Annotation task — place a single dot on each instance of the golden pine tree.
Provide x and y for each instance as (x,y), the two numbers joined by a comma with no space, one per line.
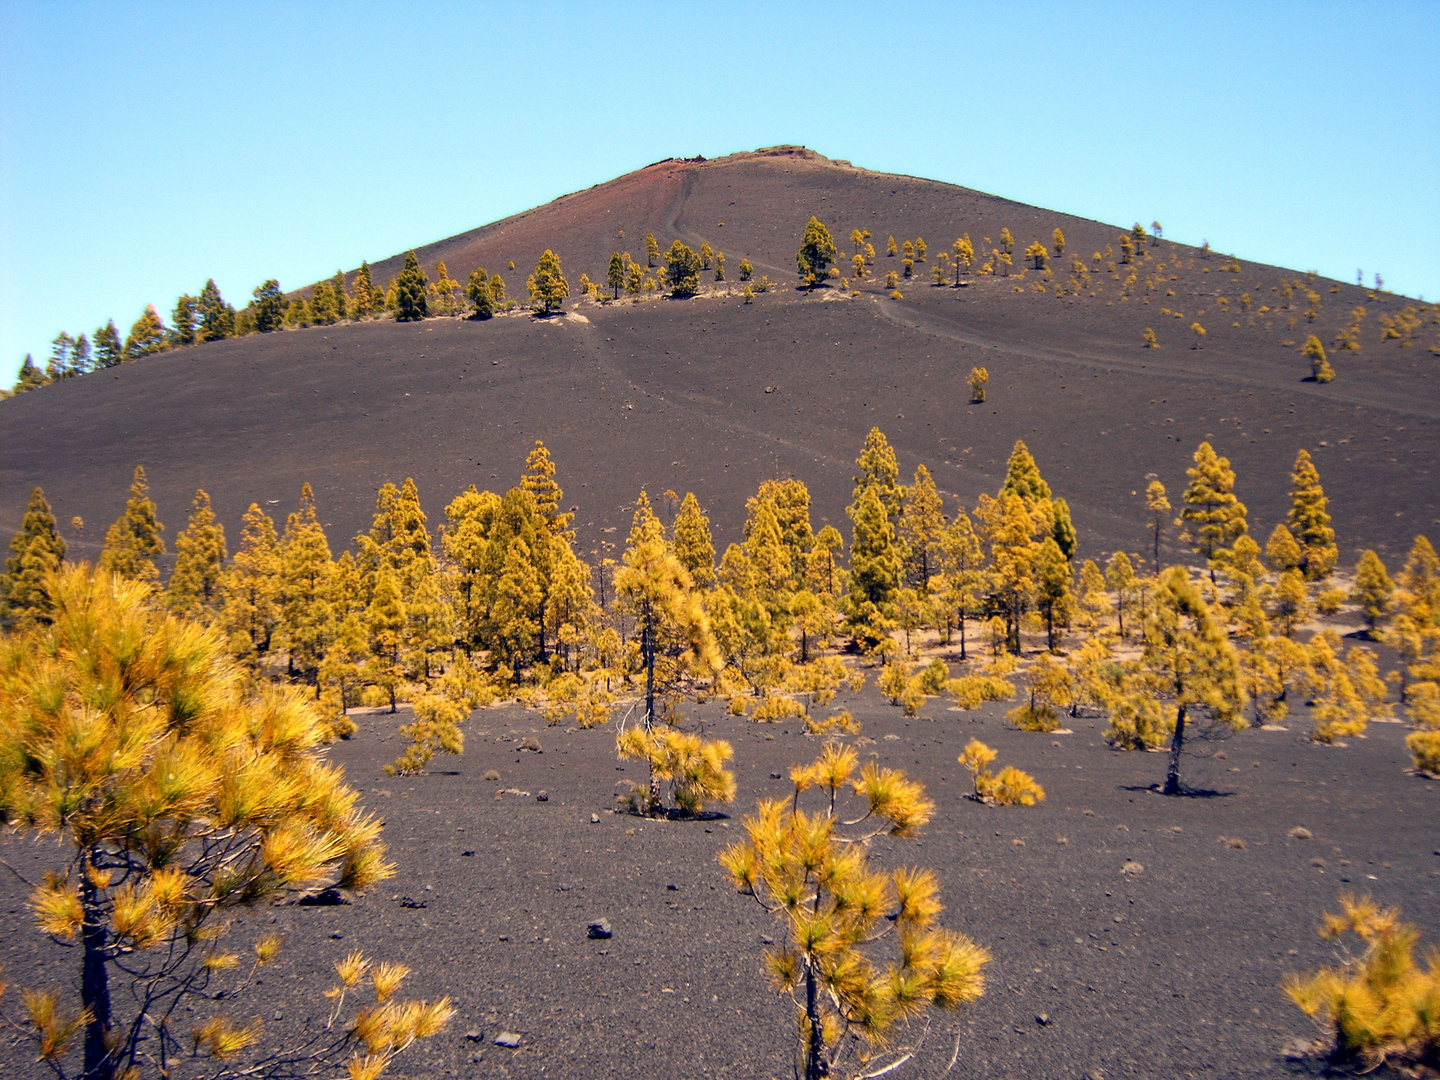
(922,528)
(1373,590)
(194,587)
(1282,553)
(1309,520)
(1188,661)
(1157,505)
(304,595)
(220,800)
(811,870)
(250,587)
(979,377)
(386,622)
(1121,580)
(1213,516)
(816,255)
(694,546)
(134,540)
(547,285)
(37,550)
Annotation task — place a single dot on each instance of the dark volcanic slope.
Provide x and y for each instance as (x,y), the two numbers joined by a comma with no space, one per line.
(671,394)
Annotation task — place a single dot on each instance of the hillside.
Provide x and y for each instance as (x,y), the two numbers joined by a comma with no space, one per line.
(715,395)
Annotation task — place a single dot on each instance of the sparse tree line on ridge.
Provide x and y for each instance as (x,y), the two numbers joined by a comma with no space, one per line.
(412,295)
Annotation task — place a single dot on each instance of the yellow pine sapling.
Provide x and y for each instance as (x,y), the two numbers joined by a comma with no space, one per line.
(1050,686)
(811,869)
(1378,1006)
(1320,369)
(1009,787)
(979,379)
(174,794)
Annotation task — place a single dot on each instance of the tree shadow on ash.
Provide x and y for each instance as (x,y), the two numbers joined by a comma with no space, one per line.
(1185,792)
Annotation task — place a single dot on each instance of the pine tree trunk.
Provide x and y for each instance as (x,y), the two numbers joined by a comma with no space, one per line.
(1177,741)
(816,1068)
(962,634)
(648,647)
(95,984)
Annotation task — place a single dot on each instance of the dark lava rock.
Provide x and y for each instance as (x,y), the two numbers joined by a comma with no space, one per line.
(542,795)
(600,928)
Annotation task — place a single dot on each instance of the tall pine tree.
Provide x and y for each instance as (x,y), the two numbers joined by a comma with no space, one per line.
(1213,515)
(194,588)
(36,550)
(1309,520)
(411,303)
(134,540)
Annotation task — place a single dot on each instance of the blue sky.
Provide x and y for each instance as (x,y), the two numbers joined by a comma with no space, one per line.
(146,146)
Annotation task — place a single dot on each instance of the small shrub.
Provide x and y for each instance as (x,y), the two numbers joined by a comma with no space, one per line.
(1379,1006)
(1424,749)
(897,295)
(1330,601)
(774,708)
(694,768)
(1009,787)
(841,723)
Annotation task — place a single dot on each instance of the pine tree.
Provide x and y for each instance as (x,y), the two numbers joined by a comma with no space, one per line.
(746,269)
(477,290)
(1157,504)
(1037,253)
(547,285)
(1189,663)
(445,290)
(385,620)
(337,290)
(539,480)
(876,563)
(184,327)
(250,587)
(1013,550)
(1373,589)
(322,304)
(1309,519)
(108,350)
(1320,369)
(364,301)
(411,302)
(202,798)
(269,307)
(964,255)
(1052,589)
(59,365)
(964,569)
(979,377)
(1151,341)
(652,250)
(682,270)
(811,869)
(816,255)
(1214,517)
(1058,240)
(497,289)
(217,318)
(31,376)
(305,569)
(615,273)
(194,588)
(1062,529)
(146,337)
(134,539)
(890,247)
(880,469)
(1282,553)
(693,544)
(37,550)
(1022,475)
(719,266)
(922,528)
(1121,580)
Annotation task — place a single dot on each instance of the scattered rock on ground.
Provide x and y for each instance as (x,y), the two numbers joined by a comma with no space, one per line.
(599,928)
